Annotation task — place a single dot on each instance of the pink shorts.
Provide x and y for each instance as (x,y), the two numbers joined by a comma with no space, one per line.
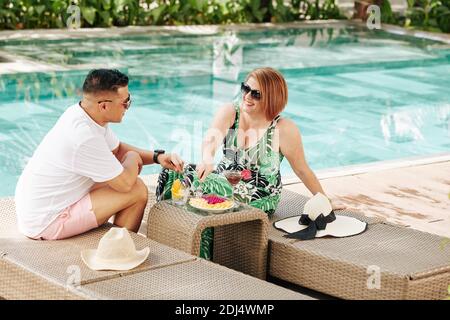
(75,219)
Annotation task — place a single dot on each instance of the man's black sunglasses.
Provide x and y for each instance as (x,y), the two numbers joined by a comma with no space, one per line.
(245,88)
(126,103)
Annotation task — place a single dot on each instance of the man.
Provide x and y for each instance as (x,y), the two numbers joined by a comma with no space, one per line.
(81,174)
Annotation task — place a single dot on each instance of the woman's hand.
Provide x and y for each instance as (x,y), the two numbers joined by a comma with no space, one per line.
(337,205)
(171,161)
(203,170)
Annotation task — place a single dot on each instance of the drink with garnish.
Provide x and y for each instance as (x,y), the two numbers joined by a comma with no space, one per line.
(233,177)
(180,192)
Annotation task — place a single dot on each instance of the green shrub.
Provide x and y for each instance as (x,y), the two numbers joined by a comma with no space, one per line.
(443,15)
(431,15)
(27,14)
(30,14)
(387,15)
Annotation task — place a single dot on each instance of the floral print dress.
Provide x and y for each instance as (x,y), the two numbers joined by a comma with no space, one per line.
(259,187)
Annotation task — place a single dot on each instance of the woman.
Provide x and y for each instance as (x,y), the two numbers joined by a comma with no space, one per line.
(255,140)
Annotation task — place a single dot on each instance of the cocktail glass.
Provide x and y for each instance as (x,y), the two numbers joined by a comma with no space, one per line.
(233,177)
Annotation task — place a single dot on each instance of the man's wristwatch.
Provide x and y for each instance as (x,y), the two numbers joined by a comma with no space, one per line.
(156,153)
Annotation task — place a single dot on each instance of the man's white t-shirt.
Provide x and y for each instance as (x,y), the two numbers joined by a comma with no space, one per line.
(73,155)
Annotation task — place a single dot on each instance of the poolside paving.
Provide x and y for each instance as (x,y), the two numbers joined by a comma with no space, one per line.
(413,196)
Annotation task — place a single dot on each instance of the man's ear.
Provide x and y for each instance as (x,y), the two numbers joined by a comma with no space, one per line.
(102,106)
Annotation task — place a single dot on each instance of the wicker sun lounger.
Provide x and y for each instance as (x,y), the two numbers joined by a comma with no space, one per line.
(60,264)
(385,262)
(195,280)
(54,270)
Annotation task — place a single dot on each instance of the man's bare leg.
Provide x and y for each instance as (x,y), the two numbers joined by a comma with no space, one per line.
(128,207)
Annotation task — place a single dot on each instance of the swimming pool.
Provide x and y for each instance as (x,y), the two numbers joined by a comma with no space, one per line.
(358,96)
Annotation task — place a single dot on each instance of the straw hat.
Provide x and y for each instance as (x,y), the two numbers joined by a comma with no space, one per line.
(318,220)
(116,251)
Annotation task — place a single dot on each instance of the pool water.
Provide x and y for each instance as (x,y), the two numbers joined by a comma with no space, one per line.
(358,96)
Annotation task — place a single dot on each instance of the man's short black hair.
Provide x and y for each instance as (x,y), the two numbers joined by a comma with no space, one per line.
(100,80)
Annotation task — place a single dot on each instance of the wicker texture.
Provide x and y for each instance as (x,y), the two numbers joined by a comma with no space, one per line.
(52,258)
(398,250)
(8,223)
(412,264)
(333,277)
(236,249)
(240,238)
(32,269)
(433,287)
(20,284)
(198,280)
(41,269)
(150,203)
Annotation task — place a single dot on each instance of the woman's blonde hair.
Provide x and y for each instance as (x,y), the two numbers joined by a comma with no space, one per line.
(273,88)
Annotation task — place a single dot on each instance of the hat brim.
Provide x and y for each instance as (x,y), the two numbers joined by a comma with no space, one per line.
(343,226)
(89,258)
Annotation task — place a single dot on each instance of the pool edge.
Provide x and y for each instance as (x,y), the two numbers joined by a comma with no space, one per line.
(372,167)
(56,34)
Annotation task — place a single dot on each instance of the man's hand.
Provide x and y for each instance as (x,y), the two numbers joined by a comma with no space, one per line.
(171,161)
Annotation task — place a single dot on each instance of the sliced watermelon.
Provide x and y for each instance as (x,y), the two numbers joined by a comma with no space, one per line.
(213,199)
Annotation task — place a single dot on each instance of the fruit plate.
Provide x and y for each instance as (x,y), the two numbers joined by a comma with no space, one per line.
(213,210)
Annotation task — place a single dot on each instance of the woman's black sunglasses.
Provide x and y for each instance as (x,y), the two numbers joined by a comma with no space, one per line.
(245,88)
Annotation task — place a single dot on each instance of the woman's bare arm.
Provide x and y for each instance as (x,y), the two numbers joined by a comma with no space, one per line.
(222,121)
